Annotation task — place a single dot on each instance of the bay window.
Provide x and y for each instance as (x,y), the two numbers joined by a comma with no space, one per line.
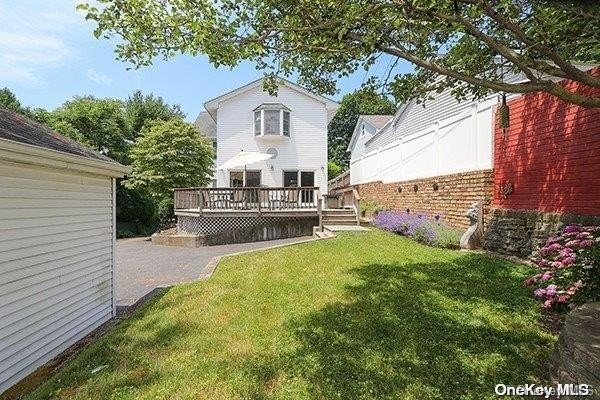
(272,120)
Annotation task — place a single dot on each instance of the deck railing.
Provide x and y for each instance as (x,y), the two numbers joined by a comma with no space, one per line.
(247,198)
(339,182)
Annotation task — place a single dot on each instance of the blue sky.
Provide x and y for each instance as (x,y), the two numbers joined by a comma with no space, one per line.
(48,54)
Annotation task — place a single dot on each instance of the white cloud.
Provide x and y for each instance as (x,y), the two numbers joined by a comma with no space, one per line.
(36,36)
(98,78)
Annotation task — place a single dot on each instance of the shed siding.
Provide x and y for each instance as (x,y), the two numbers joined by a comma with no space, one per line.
(55,263)
(305,149)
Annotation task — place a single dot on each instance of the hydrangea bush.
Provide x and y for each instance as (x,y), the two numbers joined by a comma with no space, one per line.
(420,227)
(568,268)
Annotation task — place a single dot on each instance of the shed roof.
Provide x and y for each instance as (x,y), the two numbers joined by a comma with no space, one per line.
(18,128)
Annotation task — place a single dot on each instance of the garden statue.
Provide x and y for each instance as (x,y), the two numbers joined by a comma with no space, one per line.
(471,239)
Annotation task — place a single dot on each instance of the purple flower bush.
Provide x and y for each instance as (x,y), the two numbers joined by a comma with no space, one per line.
(568,268)
(420,227)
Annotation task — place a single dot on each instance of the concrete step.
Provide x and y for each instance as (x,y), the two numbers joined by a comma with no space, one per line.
(349,219)
(336,215)
(339,215)
(339,221)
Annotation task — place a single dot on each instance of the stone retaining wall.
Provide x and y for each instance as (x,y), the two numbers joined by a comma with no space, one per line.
(520,232)
(576,358)
(447,195)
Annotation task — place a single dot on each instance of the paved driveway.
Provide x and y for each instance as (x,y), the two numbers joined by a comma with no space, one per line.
(141,266)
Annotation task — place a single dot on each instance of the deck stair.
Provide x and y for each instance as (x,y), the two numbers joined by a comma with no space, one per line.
(340,216)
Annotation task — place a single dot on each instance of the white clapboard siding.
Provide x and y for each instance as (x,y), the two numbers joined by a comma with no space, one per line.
(305,149)
(460,143)
(56,263)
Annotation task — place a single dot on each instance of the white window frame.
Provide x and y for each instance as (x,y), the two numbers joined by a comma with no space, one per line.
(282,110)
(298,175)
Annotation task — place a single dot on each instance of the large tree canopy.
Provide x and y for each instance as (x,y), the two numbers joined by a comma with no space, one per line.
(142,109)
(341,127)
(97,123)
(168,155)
(472,44)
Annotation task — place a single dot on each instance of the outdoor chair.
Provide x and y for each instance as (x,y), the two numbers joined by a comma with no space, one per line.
(291,197)
(239,198)
(263,197)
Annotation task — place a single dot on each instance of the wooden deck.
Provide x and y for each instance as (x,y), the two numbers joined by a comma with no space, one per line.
(248,201)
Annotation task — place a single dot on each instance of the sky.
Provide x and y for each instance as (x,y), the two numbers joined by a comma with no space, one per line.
(48,54)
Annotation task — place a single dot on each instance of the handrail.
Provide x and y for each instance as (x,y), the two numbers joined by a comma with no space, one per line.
(340,181)
(247,188)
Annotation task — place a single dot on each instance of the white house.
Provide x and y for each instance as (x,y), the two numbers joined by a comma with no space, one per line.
(291,125)
(57,238)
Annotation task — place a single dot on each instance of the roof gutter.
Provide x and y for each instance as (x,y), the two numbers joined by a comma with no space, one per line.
(35,155)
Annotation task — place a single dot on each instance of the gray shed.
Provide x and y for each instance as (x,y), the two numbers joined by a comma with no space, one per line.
(57,238)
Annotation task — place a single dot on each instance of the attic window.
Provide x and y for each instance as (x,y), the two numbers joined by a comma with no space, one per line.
(272,119)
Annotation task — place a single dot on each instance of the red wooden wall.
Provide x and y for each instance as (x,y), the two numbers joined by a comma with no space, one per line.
(550,155)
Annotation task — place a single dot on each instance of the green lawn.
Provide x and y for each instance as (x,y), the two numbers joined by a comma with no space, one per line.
(369,315)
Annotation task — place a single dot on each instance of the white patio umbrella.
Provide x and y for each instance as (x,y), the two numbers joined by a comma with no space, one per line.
(242,159)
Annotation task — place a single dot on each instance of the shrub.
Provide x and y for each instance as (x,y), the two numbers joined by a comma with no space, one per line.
(568,268)
(134,205)
(420,227)
(369,208)
(124,234)
(165,213)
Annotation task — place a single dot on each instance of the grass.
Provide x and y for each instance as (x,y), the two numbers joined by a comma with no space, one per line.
(361,316)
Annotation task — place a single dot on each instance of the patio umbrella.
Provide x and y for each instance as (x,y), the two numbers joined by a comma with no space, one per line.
(244,158)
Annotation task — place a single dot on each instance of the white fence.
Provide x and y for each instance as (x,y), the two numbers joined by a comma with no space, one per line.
(457,144)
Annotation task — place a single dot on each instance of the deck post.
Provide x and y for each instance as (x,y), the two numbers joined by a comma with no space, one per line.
(356,198)
(319,208)
(259,200)
(200,201)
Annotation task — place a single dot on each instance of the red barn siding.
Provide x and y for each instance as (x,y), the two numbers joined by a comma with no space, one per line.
(550,155)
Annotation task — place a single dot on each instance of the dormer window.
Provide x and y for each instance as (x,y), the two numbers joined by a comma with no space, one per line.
(272,119)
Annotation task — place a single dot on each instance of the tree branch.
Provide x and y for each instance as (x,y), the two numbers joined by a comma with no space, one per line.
(572,72)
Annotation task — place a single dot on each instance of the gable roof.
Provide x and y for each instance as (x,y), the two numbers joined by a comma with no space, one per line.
(212,105)
(17,128)
(206,124)
(377,121)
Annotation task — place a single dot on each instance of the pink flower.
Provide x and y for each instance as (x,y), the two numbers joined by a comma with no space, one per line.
(547,276)
(583,235)
(548,303)
(571,290)
(565,252)
(556,264)
(568,261)
(551,290)
(572,228)
(539,292)
(572,243)
(586,243)
(563,298)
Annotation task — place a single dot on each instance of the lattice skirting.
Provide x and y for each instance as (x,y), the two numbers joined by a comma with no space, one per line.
(210,225)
